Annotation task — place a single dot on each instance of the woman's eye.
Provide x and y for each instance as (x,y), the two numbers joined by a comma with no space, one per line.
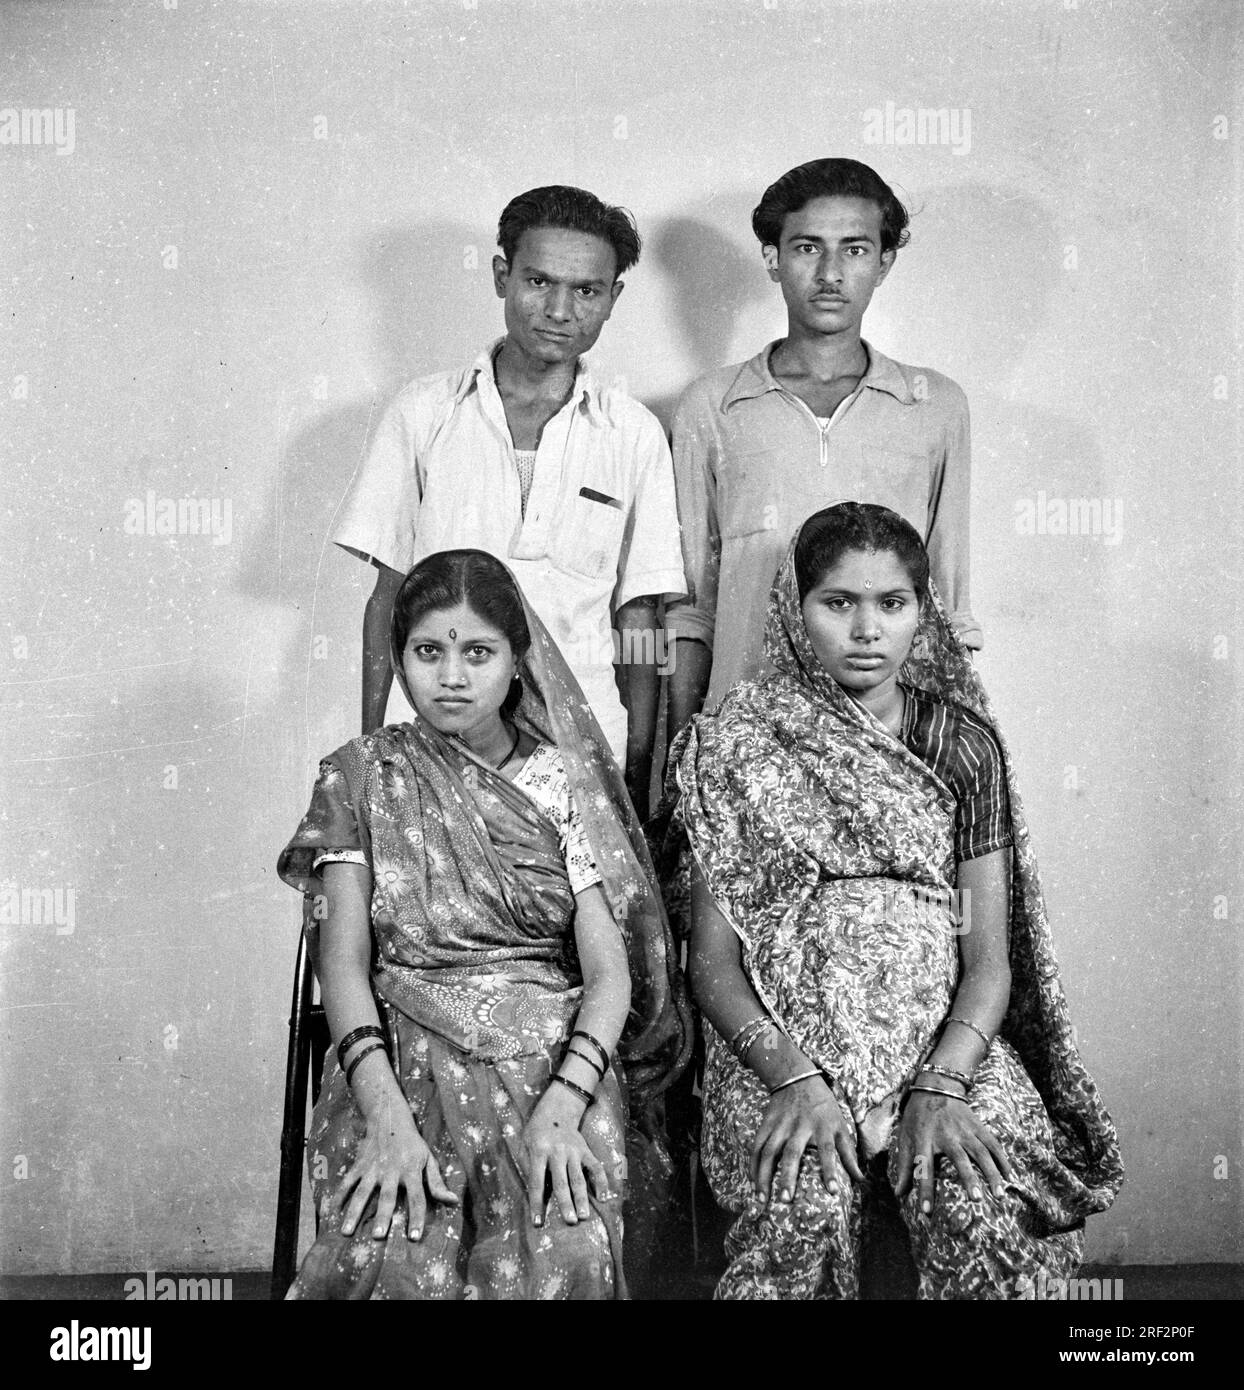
(837,604)
(425,651)
(479,653)
(894,605)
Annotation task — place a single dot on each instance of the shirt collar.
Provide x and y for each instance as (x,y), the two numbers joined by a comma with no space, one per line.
(585,391)
(755,377)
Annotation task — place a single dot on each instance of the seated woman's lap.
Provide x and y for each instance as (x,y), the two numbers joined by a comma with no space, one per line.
(471,1116)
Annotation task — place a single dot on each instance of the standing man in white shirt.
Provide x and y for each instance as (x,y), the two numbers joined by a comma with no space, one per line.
(524,455)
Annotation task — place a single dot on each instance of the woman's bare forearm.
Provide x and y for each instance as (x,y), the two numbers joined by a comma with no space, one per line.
(345,982)
(984,989)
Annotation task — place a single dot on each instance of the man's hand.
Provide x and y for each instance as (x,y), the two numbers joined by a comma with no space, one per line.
(967,630)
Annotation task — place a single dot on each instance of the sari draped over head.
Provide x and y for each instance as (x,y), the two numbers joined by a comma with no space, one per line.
(477,976)
(828,846)
(472,907)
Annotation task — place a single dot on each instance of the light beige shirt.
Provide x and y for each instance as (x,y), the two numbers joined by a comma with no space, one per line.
(600,526)
(752,463)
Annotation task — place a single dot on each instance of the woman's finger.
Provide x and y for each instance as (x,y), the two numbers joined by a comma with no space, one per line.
(537,1170)
(846,1143)
(437,1185)
(348,1183)
(994,1145)
(384,1208)
(830,1164)
(598,1174)
(968,1176)
(561,1189)
(922,1171)
(769,1152)
(984,1161)
(578,1187)
(758,1145)
(416,1203)
(786,1178)
(357,1203)
(905,1161)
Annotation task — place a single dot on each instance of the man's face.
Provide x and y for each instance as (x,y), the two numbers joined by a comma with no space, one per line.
(558,292)
(829,263)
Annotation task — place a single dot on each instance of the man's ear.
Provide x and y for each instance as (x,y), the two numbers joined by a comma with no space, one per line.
(887,261)
(770,254)
(500,275)
(614,290)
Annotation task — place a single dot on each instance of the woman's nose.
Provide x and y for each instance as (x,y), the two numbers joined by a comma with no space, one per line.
(453,672)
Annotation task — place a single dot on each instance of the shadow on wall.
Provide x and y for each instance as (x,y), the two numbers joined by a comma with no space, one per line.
(410,276)
(711,262)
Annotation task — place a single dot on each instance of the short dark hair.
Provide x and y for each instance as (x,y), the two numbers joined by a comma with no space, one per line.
(829,534)
(451,577)
(575,210)
(829,178)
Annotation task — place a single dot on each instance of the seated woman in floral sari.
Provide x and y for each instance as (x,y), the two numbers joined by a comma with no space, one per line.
(871,953)
(485,931)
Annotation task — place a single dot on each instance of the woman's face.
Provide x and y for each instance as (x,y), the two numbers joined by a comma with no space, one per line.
(459,668)
(861,618)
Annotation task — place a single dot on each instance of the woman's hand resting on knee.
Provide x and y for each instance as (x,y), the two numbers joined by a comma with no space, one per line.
(805,1115)
(392,1157)
(931,1126)
(555,1151)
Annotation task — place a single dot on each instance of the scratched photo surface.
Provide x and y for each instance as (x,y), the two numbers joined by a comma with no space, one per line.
(232,232)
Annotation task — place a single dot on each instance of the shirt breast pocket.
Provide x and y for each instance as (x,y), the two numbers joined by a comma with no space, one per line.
(588,537)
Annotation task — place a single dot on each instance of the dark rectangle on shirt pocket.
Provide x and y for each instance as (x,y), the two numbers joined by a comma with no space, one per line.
(593,496)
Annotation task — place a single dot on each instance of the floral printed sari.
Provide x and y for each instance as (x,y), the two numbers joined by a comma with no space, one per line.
(478,982)
(828,846)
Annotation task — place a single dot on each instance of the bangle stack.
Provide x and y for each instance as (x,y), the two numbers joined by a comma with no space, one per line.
(581,1091)
(363,1052)
(599,1067)
(745,1037)
(368,1030)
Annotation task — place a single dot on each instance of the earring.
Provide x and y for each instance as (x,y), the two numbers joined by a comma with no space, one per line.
(515,692)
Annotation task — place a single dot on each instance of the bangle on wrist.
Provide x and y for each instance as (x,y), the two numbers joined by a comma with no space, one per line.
(593,1042)
(938,1091)
(745,1038)
(794,1080)
(967,1023)
(365,1052)
(583,1057)
(584,1095)
(368,1030)
(932,1069)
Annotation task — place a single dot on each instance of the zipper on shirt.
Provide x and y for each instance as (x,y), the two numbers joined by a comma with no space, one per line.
(821,429)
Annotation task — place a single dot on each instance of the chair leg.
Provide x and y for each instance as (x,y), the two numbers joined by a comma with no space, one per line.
(293,1128)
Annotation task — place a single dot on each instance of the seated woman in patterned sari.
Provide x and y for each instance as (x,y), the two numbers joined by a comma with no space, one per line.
(871,952)
(489,945)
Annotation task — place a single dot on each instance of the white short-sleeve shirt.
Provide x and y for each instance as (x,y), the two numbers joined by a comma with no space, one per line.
(601,525)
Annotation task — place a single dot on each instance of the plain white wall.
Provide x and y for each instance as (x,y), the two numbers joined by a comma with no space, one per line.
(166,698)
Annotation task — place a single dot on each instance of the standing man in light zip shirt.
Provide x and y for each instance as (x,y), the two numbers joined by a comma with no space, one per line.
(523,454)
(819,417)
